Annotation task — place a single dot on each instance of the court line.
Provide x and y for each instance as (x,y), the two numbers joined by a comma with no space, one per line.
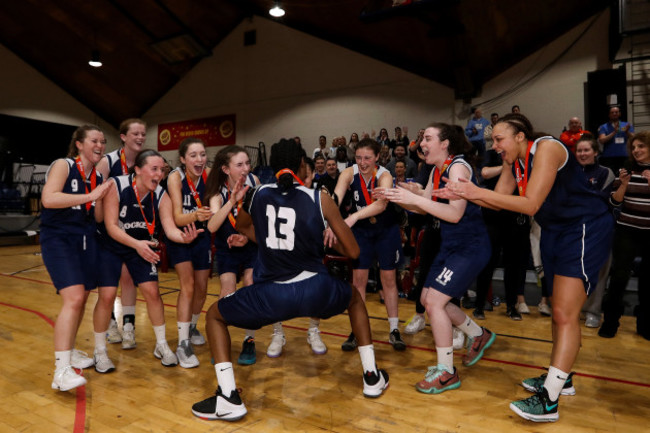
(80,392)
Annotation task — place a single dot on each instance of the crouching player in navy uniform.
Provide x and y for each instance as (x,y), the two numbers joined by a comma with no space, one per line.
(287,220)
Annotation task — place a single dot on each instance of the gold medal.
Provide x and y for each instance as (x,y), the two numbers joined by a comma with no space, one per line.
(373,220)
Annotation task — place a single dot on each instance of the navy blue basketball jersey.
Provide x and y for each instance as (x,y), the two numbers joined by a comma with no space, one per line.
(386,218)
(75,219)
(226,229)
(131,219)
(115,163)
(571,198)
(472,220)
(289,231)
(189,203)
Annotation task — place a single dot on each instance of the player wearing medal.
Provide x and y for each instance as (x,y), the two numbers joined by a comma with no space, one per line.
(134,211)
(287,221)
(576,235)
(72,186)
(133,133)
(464,251)
(376,230)
(186,188)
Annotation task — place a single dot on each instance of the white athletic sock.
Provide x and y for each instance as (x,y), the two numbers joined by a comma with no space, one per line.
(195,319)
(277,328)
(160,333)
(100,341)
(554,382)
(128,309)
(250,333)
(314,323)
(367,354)
(225,377)
(183,331)
(470,328)
(393,323)
(446,357)
(62,359)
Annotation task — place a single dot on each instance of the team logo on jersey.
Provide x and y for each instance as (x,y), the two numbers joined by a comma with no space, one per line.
(445,276)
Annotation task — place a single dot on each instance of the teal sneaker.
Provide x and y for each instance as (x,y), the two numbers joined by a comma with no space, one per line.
(438,379)
(537,408)
(247,355)
(535,384)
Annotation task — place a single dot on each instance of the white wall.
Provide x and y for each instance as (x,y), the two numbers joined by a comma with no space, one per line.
(25,92)
(291,84)
(551,99)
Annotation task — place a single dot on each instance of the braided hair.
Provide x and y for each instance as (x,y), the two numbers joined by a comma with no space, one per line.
(520,123)
(286,153)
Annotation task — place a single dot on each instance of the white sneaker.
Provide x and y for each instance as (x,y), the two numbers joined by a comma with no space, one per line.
(66,379)
(113,335)
(165,354)
(103,364)
(374,384)
(195,336)
(544,310)
(459,338)
(80,360)
(277,342)
(522,308)
(316,342)
(592,320)
(186,356)
(415,325)
(128,336)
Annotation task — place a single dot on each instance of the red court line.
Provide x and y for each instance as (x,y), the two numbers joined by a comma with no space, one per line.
(80,410)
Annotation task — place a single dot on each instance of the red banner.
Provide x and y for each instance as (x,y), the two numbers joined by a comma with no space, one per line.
(214,131)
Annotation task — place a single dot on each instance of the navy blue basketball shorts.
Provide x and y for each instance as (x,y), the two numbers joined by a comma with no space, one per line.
(458,264)
(261,304)
(385,245)
(198,252)
(70,259)
(110,268)
(236,259)
(577,251)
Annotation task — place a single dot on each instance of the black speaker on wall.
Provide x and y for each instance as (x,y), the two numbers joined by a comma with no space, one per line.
(605,88)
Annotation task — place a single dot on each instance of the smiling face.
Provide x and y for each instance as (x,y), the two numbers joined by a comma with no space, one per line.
(135,137)
(585,153)
(92,147)
(152,171)
(366,159)
(506,142)
(330,167)
(195,159)
(400,169)
(641,152)
(238,167)
(434,150)
(575,125)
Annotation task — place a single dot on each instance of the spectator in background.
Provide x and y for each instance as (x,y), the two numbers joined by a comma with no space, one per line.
(515,109)
(571,136)
(474,130)
(399,154)
(354,140)
(613,137)
(414,147)
(383,139)
(322,147)
(342,161)
(384,156)
(319,165)
(328,180)
(487,134)
(399,138)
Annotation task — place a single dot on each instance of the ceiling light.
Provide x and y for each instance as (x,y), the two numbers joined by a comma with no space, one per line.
(95,61)
(276,11)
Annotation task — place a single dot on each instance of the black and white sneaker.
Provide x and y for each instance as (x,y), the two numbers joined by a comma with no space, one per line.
(220,407)
(350,344)
(374,384)
(396,341)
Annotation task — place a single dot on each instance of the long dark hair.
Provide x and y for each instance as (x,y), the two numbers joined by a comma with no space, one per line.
(185,144)
(141,159)
(458,142)
(286,154)
(217,179)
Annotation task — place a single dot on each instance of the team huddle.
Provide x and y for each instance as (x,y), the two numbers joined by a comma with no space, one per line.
(113,210)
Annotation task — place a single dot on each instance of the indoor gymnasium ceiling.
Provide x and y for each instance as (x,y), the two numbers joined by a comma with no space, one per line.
(147,46)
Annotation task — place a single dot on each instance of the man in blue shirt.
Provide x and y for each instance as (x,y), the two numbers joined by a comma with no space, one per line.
(474,130)
(613,137)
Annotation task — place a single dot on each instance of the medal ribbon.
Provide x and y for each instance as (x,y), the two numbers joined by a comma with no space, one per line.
(438,173)
(195,194)
(285,171)
(522,180)
(234,211)
(364,187)
(125,168)
(93,180)
(151,228)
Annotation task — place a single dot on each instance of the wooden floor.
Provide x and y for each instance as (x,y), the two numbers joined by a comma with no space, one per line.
(299,391)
